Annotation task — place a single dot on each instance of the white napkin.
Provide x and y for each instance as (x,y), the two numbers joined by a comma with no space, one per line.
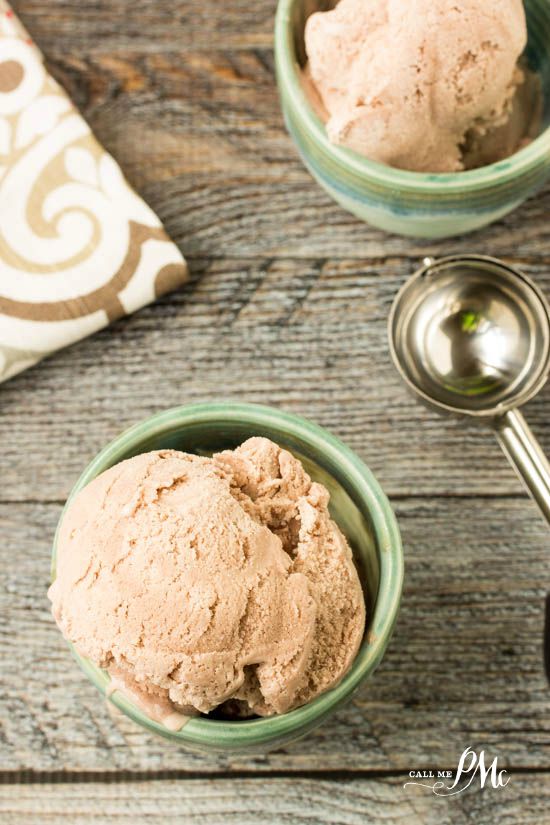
(78,247)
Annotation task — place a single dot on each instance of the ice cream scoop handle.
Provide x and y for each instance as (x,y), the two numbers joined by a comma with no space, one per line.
(526,457)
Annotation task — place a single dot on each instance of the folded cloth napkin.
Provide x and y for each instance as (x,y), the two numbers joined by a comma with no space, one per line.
(78,247)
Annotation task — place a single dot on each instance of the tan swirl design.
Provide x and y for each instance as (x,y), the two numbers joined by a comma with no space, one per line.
(78,247)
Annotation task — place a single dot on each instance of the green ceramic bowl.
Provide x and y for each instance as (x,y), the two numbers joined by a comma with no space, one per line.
(357,504)
(410,203)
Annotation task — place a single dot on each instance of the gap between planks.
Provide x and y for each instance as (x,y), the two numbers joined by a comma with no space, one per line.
(339,775)
(527,260)
(444,496)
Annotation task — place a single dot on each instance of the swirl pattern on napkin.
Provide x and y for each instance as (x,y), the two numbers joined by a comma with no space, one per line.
(78,247)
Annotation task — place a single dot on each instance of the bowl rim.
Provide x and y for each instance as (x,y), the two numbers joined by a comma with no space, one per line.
(199,730)
(429,183)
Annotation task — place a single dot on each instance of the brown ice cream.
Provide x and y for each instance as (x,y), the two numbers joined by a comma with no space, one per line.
(203,581)
(424,85)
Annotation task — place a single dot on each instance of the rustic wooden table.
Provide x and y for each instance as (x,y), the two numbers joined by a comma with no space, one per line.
(287,305)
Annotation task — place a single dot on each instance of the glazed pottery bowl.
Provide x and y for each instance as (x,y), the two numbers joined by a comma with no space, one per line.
(359,507)
(410,203)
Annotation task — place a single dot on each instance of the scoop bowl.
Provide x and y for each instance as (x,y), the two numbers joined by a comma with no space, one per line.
(471,336)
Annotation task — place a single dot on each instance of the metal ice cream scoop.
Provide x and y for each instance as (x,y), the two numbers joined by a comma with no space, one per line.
(470,336)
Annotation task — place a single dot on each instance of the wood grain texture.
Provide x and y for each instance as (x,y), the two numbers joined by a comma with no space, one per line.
(184,96)
(464,667)
(287,306)
(308,336)
(524,801)
(106,26)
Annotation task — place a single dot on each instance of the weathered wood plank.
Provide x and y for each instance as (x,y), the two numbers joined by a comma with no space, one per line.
(185,97)
(107,25)
(307,336)
(201,136)
(524,801)
(464,668)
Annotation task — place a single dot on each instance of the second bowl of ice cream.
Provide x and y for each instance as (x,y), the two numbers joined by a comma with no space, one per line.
(227,575)
(426,119)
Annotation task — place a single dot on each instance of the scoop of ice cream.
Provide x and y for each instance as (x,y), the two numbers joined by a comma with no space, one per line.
(403,82)
(201,580)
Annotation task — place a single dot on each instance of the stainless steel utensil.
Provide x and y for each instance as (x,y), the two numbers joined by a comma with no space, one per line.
(470,336)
